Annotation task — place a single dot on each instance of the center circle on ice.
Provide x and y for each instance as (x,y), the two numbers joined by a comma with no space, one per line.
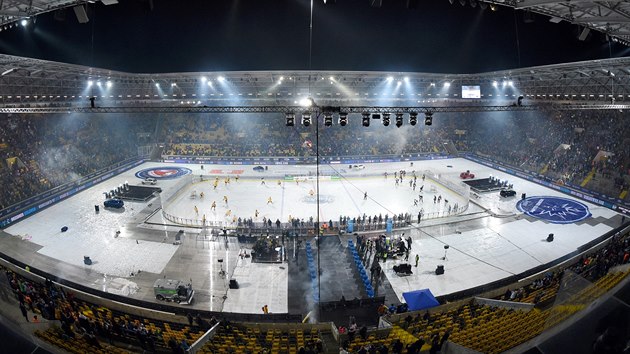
(323,198)
(556,210)
(163,172)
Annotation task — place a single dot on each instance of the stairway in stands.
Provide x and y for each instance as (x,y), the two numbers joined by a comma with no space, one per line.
(338,274)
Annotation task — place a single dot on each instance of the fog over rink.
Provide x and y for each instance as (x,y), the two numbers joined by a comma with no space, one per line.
(492,245)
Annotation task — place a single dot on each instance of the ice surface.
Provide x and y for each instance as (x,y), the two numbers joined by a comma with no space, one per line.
(487,250)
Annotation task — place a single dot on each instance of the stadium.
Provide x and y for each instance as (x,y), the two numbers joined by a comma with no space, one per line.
(166,208)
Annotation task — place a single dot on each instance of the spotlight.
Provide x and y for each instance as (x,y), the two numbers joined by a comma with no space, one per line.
(386,119)
(328,119)
(399,120)
(365,118)
(24,22)
(495,84)
(109,84)
(343,119)
(428,118)
(413,118)
(306,119)
(447,84)
(90,83)
(290,117)
(306,102)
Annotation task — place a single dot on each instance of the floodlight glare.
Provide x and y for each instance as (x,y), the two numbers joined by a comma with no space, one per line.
(306,119)
(24,22)
(109,84)
(413,118)
(290,117)
(343,119)
(386,119)
(399,120)
(495,84)
(433,84)
(510,83)
(204,79)
(365,119)
(306,102)
(157,84)
(390,78)
(406,78)
(447,84)
(90,83)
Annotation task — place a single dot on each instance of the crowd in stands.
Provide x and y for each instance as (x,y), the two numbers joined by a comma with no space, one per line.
(41,152)
(38,153)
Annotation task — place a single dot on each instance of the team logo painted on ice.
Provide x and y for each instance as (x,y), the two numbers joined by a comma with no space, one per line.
(163,172)
(556,210)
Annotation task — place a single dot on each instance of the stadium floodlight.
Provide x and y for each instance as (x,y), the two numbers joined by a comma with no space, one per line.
(510,83)
(413,118)
(220,78)
(109,84)
(428,118)
(24,22)
(306,119)
(290,119)
(343,119)
(399,120)
(386,119)
(390,78)
(328,119)
(433,84)
(365,119)
(495,84)
(306,102)
(157,84)
(90,83)
(447,84)
(406,79)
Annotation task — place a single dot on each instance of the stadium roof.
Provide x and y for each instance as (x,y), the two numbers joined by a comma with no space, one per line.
(27,82)
(611,17)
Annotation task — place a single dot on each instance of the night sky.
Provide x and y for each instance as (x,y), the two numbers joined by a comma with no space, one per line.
(222,35)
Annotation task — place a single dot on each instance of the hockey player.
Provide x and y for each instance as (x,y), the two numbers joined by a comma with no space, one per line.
(225,199)
(256,214)
(262,181)
(196,210)
(269,201)
(365,196)
(214,206)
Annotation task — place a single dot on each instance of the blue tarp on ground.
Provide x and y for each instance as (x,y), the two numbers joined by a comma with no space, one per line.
(420,299)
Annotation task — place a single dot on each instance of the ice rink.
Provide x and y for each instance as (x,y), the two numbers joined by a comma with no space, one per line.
(488,241)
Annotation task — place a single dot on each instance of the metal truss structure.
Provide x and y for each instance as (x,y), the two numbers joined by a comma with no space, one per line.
(611,17)
(315,109)
(34,83)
